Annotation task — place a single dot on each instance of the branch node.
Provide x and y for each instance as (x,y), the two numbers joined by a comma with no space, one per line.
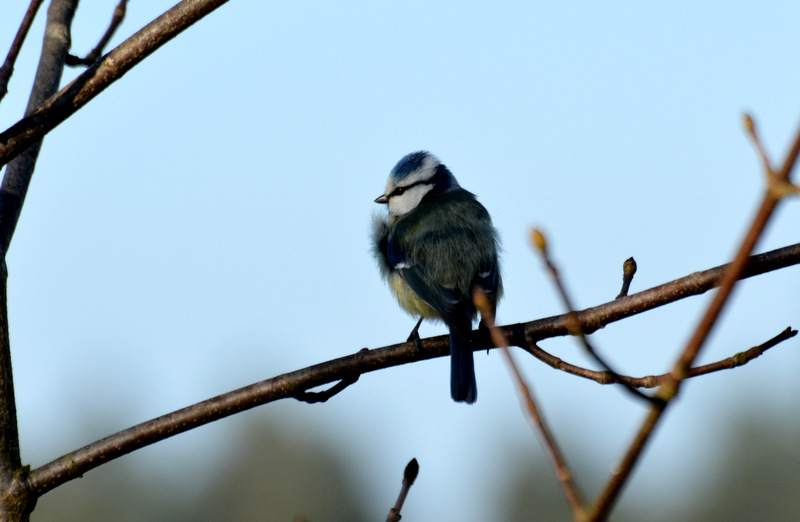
(94,54)
(780,188)
(323,396)
(75,61)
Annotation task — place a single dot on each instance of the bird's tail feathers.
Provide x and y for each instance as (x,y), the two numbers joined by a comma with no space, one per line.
(463,387)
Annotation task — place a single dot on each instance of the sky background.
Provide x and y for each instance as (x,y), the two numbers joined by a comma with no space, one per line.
(203,224)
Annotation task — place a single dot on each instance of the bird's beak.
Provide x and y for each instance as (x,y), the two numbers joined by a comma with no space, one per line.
(382,199)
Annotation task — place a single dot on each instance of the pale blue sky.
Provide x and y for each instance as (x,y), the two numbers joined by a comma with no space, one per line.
(203,224)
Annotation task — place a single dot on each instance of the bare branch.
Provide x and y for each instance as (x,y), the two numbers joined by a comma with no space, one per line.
(14,502)
(732,273)
(101,74)
(289,385)
(652,381)
(284,386)
(8,66)
(697,283)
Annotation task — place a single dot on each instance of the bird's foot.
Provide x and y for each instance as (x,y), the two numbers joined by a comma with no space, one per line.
(414,336)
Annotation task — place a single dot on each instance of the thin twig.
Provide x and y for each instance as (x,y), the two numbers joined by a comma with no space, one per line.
(94,54)
(652,381)
(409,476)
(11,58)
(680,371)
(534,417)
(752,133)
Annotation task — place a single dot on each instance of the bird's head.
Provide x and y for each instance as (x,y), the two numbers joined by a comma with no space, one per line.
(418,176)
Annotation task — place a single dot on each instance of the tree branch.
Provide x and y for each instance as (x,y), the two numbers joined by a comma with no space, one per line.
(290,385)
(16,503)
(592,319)
(101,74)
(651,381)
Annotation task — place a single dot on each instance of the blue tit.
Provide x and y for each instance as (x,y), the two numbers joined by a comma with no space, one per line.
(435,247)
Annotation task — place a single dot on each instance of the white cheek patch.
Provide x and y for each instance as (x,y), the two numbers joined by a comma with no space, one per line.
(408,200)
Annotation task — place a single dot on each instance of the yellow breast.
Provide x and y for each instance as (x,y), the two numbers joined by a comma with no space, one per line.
(410,302)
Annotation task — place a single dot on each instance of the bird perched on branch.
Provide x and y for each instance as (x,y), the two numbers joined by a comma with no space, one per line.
(435,247)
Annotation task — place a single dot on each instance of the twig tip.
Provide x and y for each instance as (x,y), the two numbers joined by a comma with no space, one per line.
(538,240)
(749,124)
(629,267)
(628,270)
(411,472)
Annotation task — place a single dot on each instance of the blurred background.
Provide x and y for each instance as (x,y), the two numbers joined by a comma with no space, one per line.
(203,224)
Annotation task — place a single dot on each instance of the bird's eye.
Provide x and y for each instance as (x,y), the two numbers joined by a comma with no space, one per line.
(399,191)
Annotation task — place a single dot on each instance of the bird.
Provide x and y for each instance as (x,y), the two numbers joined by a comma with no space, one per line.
(435,246)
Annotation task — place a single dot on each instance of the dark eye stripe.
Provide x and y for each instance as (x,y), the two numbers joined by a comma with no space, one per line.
(400,190)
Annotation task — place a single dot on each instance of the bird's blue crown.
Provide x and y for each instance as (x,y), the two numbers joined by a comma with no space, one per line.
(411,163)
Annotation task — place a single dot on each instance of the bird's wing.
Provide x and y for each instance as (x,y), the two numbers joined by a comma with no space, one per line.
(448,303)
(488,280)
